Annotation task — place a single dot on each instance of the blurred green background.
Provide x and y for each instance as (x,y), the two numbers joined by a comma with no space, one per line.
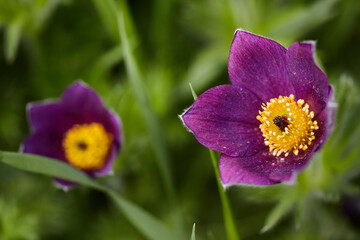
(48,44)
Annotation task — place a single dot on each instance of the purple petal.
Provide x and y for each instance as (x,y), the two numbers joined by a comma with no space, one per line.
(331,112)
(224,119)
(48,116)
(260,169)
(112,124)
(64,184)
(108,167)
(48,144)
(308,80)
(325,121)
(258,64)
(84,104)
(232,172)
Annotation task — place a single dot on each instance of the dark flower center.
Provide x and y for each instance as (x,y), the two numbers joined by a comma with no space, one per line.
(82,145)
(281,121)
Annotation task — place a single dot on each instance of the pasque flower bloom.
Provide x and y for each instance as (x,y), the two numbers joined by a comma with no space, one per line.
(77,129)
(268,123)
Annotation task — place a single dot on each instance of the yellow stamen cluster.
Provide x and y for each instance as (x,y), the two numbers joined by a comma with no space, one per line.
(87,146)
(296,134)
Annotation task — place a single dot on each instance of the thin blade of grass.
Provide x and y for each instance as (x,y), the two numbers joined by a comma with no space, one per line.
(12,40)
(276,214)
(193,237)
(152,123)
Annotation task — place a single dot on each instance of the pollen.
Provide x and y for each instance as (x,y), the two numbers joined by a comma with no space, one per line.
(87,146)
(287,125)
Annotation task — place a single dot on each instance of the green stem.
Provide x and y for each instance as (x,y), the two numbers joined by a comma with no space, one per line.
(228,217)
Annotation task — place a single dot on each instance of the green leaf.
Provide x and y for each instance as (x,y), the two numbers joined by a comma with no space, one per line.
(12,39)
(193,237)
(148,225)
(276,214)
(43,165)
(143,221)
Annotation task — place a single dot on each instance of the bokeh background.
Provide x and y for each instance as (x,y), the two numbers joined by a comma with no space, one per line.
(46,45)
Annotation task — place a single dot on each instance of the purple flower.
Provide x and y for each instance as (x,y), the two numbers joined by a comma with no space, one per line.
(278,111)
(77,129)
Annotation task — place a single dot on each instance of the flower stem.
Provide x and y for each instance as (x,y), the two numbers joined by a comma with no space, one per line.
(228,217)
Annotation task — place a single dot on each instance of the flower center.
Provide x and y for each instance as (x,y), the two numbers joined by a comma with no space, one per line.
(287,125)
(87,146)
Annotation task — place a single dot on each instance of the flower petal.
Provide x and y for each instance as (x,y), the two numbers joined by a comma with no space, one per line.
(331,112)
(42,117)
(64,184)
(224,119)
(260,169)
(310,83)
(84,104)
(325,121)
(258,64)
(45,143)
(108,167)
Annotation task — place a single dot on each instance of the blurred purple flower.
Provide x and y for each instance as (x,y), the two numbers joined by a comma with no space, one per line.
(278,111)
(77,129)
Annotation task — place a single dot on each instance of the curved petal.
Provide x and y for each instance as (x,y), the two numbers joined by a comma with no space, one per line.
(224,119)
(48,144)
(331,112)
(325,121)
(260,169)
(48,116)
(82,103)
(64,184)
(108,167)
(259,64)
(112,123)
(232,172)
(309,82)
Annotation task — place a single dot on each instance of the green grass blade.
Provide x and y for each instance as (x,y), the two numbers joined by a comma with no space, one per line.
(193,237)
(148,225)
(193,92)
(275,215)
(107,12)
(152,123)
(12,40)
(141,95)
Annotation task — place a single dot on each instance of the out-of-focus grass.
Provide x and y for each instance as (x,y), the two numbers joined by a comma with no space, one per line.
(47,44)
